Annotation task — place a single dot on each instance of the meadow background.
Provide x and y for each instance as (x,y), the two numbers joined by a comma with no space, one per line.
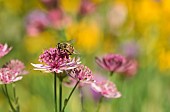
(140,28)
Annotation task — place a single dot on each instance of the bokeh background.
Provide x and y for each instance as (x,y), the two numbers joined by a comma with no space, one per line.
(139,29)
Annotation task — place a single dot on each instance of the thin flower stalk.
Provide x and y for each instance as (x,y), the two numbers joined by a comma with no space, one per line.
(55,92)
(60,94)
(67,100)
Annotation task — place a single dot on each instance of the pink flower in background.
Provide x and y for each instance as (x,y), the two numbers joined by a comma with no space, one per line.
(82,73)
(129,68)
(86,7)
(111,62)
(16,66)
(58,19)
(12,72)
(106,88)
(36,22)
(4,50)
(96,95)
(53,62)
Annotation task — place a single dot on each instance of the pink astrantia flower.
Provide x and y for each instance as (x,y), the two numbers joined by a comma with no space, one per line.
(82,73)
(12,72)
(111,62)
(129,68)
(54,62)
(8,76)
(4,50)
(106,88)
(16,66)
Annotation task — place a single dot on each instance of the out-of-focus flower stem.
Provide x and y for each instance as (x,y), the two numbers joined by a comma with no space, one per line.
(101,98)
(100,102)
(60,94)
(15,98)
(82,99)
(55,92)
(9,100)
(66,100)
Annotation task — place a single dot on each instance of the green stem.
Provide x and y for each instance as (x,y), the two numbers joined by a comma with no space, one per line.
(15,98)
(60,95)
(99,105)
(66,100)
(82,99)
(9,101)
(55,92)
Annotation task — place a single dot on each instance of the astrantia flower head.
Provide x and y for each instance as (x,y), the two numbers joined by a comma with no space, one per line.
(12,72)
(129,68)
(16,66)
(4,50)
(82,73)
(8,76)
(111,62)
(106,88)
(53,62)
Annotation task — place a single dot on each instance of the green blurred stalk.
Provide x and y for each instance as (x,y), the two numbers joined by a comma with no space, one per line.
(15,98)
(60,95)
(55,92)
(9,100)
(66,100)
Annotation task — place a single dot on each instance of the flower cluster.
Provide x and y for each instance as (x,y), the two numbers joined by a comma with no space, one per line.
(12,71)
(60,61)
(54,62)
(83,74)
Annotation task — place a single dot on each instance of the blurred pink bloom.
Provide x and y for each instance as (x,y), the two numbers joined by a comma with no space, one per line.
(36,22)
(12,72)
(111,62)
(4,50)
(96,95)
(129,68)
(82,73)
(86,7)
(16,66)
(53,62)
(106,88)
(58,19)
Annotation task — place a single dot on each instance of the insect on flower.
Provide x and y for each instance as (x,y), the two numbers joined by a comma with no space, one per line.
(66,47)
